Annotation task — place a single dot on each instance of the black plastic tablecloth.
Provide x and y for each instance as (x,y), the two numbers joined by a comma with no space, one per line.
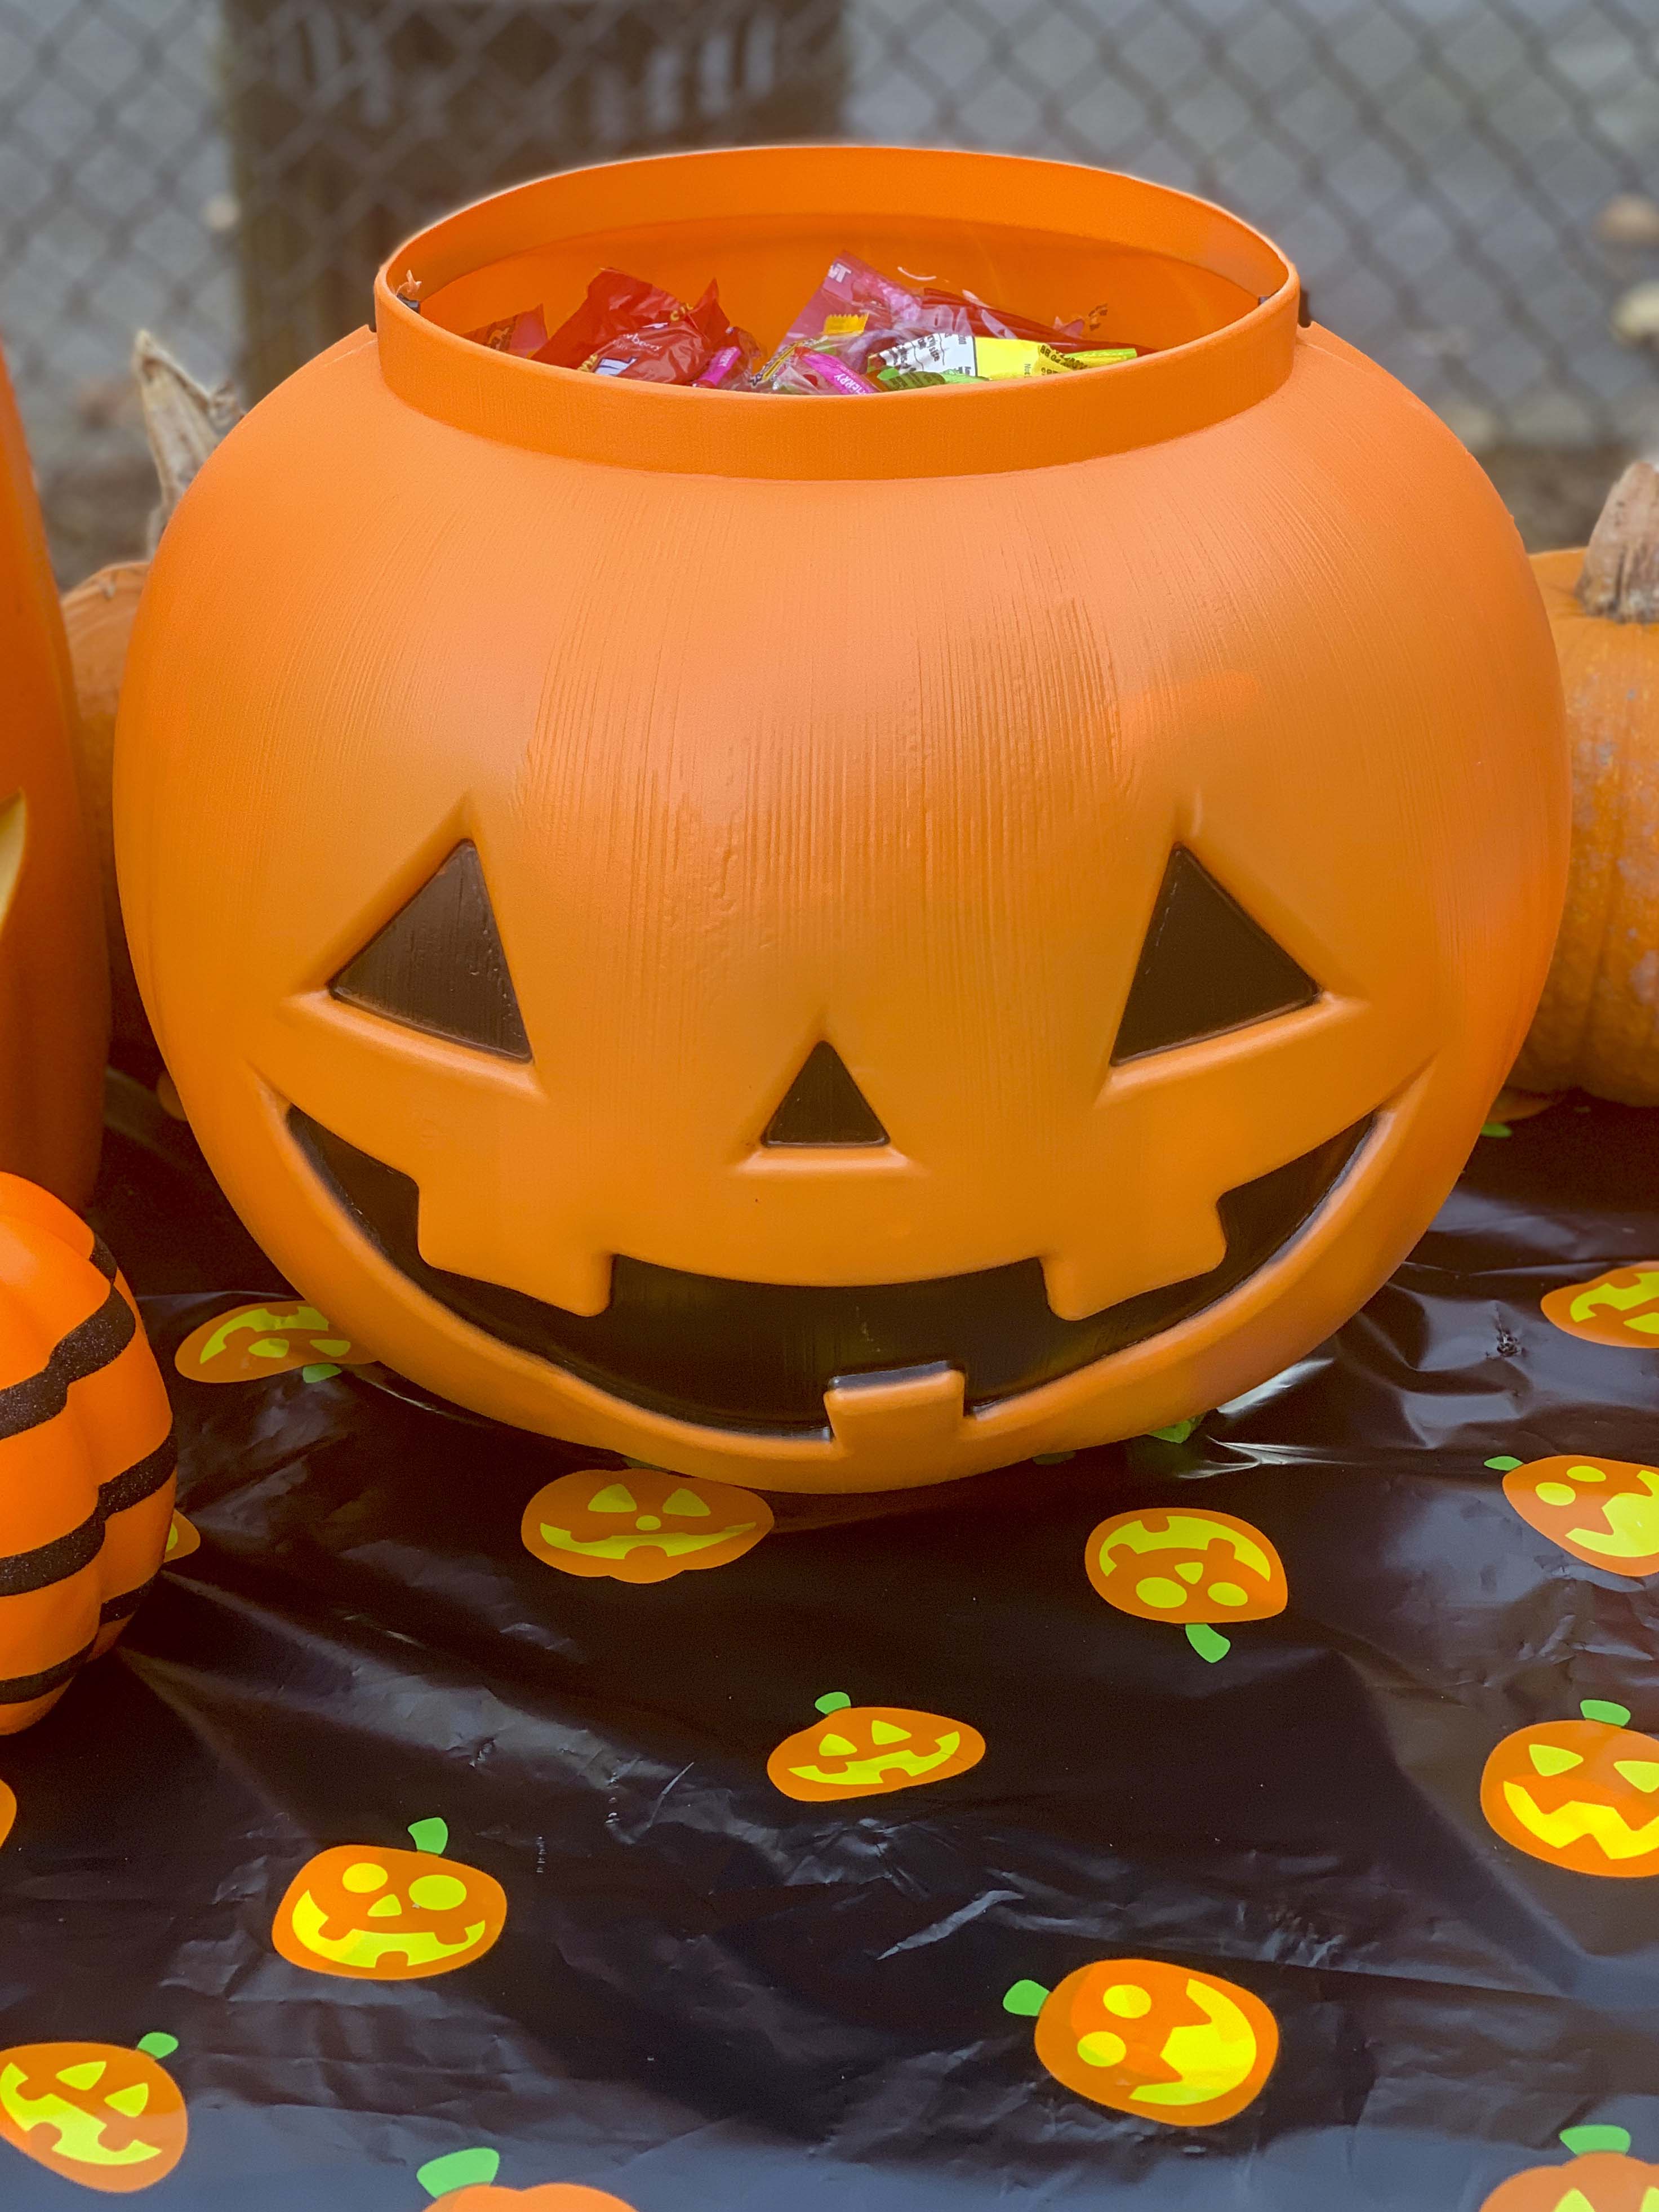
(710,1998)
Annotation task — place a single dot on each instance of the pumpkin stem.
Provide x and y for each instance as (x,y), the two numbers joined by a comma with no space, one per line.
(430,1836)
(1027,1998)
(1619,579)
(1603,1709)
(1209,1643)
(458,2169)
(1581,2141)
(833,1701)
(182,420)
(157,2045)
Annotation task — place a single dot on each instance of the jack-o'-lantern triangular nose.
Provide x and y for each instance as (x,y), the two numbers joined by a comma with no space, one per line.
(824,1106)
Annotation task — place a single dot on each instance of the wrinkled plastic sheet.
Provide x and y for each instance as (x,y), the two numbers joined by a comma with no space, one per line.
(710,1997)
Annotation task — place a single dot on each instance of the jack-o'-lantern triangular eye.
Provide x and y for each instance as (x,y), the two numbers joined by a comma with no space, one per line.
(687,1501)
(615,1498)
(824,1106)
(1205,968)
(438,964)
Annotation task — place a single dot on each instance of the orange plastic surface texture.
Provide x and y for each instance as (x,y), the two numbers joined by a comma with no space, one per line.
(54,976)
(773,723)
(85,1452)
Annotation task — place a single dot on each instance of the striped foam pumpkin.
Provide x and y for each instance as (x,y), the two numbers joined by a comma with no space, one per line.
(85,1452)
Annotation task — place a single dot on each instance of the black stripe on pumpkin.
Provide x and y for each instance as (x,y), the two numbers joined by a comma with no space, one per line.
(91,1343)
(78,1547)
(124,1608)
(22,1688)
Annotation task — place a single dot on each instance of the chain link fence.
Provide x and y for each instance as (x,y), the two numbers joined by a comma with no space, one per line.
(1471,187)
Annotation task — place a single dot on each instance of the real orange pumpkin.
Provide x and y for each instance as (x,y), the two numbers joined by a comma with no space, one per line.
(1145,2036)
(1597,1024)
(1600,2179)
(54,984)
(642,1526)
(841,1038)
(1581,1794)
(389,1916)
(85,1452)
(98,616)
(99,2115)
(869,1751)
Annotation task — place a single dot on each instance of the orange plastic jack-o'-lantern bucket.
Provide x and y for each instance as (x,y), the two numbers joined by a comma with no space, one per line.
(836,942)
(54,979)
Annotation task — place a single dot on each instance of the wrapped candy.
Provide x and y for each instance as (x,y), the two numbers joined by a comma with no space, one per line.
(984,359)
(860,333)
(628,326)
(523,333)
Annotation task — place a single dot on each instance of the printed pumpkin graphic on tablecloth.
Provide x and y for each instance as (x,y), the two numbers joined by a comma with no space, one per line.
(1621,1306)
(389,1916)
(8,1811)
(1192,1569)
(183,1538)
(869,1751)
(640,1525)
(1581,1794)
(1603,1512)
(252,1342)
(1144,2036)
(464,2181)
(1601,2178)
(96,2114)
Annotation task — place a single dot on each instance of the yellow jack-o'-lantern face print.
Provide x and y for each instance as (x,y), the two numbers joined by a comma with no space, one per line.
(869,1751)
(389,1916)
(99,2115)
(1144,2036)
(251,1343)
(1617,1307)
(640,1525)
(1195,1569)
(1603,1512)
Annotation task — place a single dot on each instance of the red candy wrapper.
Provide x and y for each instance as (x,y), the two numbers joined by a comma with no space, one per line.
(627,326)
(523,333)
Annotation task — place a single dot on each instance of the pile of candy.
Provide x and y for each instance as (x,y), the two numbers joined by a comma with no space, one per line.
(861,332)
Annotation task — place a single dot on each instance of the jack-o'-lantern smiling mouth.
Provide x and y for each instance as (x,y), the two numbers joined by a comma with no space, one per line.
(417,1947)
(1572,1822)
(730,1354)
(866,1772)
(86,2138)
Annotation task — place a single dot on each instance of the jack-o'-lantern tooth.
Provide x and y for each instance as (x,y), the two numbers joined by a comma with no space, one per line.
(888,1418)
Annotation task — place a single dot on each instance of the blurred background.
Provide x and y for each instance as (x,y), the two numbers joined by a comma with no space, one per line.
(1470,187)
